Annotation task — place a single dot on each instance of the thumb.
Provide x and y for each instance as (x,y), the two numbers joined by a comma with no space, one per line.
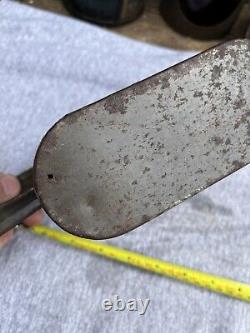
(9,188)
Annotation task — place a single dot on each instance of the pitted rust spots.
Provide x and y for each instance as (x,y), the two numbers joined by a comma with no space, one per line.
(146,86)
(248,129)
(54,178)
(73,117)
(198,94)
(239,103)
(225,151)
(218,140)
(199,171)
(159,97)
(146,169)
(238,164)
(165,83)
(116,103)
(51,140)
(243,119)
(126,160)
(216,72)
(145,218)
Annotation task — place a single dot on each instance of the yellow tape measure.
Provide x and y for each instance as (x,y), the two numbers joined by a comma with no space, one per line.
(211,282)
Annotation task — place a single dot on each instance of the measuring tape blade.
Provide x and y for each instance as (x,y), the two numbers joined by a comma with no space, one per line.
(197,278)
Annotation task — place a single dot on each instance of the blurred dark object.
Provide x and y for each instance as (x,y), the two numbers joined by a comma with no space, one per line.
(204,19)
(106,12)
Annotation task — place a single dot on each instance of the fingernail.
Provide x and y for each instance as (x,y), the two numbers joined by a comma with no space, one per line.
(4,239)
(9,185)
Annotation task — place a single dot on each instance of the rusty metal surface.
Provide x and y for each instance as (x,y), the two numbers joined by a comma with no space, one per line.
(114,165)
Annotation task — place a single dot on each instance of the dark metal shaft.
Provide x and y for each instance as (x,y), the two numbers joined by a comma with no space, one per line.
(14,211)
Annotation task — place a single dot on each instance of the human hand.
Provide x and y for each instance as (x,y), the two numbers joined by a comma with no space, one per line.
(9,188)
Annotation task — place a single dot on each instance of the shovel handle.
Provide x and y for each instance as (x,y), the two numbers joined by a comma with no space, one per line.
(14,211)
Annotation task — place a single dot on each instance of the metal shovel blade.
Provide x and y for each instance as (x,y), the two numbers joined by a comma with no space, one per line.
(113,165)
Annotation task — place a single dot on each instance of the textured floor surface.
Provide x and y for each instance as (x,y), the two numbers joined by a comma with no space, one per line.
(49,66)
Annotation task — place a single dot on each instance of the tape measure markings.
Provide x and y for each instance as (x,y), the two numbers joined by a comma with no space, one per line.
(225,286)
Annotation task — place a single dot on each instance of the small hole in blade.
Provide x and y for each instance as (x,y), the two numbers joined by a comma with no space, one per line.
(50,176)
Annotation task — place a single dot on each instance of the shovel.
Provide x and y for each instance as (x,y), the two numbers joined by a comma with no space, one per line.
(111,166)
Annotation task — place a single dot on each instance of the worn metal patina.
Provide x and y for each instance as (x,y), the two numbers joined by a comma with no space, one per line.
(113,165)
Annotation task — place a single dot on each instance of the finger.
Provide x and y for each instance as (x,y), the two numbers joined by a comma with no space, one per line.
(6,238)
(34,219)
(9,188)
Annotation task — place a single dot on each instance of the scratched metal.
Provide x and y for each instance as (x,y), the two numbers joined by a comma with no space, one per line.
(114,165)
